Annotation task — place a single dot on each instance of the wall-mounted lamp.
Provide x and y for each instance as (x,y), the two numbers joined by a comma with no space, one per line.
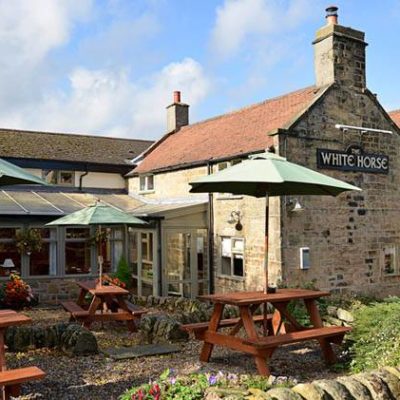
(297,207)
(235,218)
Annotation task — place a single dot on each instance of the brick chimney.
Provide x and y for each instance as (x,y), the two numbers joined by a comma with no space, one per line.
(339,54)
(177,113)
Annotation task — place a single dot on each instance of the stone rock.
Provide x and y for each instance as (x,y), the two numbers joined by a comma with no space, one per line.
(332,311)
(357,390)
(333,321)
(22,338)
(393,370)
(392,381)
(334,388)
(311,392)
(379,389)
(214,393)
(257,394)
(345,315)
(283,394)
(77,340)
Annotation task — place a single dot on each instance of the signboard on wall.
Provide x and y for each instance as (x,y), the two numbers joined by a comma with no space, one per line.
(352,159)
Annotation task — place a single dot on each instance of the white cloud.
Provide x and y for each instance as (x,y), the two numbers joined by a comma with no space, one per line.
(107,102)
(239,22)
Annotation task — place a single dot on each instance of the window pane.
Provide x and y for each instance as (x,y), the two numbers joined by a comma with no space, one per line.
(147,246)
(44,262)
(178,256)
(202,254)
(226,247)
(77,258)
(237,265)
(150,182)
(222,166)
(77,233)
(142,183)
(8,233)
(9,251)
(147,289)
(133,253)
(226,266)
(237,245)
(50,176)
(147,271)
(66,178)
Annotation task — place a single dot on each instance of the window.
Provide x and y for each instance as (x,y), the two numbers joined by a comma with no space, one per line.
(8,251)
(77,251)
(390,260)
(146,183)
(141,261)
(44,262)
(112,249)
(304,257)
(64,178)
(232,250)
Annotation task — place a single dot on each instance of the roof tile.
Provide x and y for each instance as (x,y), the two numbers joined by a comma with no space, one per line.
(69,147)
(235,133)
(395,115)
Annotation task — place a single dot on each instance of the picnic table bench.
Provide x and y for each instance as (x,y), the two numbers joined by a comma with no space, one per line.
(108,303)
(280,328)
(11,380)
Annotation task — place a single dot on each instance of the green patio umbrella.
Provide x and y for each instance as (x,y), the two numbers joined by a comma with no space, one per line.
(98,214)
(268,174)
(11,174)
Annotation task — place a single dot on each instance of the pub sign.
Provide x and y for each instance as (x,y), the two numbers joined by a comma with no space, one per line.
(352,159)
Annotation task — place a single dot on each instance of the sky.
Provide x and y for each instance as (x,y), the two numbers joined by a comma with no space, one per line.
(109,67)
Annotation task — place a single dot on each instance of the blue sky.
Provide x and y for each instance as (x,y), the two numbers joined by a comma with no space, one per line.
(109,67)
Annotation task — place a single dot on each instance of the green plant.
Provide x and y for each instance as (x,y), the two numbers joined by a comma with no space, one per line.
(28,241)
(123,272)
(376,336)
(16,293)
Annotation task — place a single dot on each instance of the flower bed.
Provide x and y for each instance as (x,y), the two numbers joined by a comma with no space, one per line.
(16,293)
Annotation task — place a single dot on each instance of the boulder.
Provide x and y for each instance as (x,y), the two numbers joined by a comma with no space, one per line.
(345,315)
(332,311)
(392,381)
(78,341)
(357,389)
(311,392)
(378,389)
(283,394)
(334,388)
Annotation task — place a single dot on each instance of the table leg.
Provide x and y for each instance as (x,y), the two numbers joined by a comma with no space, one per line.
(316,321)
(94,305)
(81,297)
(122,304)
(212,327)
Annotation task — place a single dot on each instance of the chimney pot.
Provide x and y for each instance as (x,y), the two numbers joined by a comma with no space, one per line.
(177,96)
(331,15)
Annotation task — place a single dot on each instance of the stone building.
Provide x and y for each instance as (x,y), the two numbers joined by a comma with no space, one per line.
(338,127)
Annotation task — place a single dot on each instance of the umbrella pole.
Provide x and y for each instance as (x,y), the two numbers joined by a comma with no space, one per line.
(100,259)
(266,242)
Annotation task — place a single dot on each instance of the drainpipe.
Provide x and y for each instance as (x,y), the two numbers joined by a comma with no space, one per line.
(81,178)
(159,252)
(210,236)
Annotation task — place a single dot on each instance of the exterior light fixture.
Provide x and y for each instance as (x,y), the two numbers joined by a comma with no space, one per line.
(297,206)
(235,218)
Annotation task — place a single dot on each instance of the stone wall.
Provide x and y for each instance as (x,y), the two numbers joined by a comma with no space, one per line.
(55,290)
(347,235)
(383,385)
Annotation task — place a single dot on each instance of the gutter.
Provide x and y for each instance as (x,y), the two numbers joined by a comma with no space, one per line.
(211,284)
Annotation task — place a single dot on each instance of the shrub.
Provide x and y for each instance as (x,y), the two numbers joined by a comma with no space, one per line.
(194,386)
(123,272)
(16,293)
(376,336)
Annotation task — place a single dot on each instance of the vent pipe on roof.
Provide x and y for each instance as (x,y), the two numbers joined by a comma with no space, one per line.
(177,113)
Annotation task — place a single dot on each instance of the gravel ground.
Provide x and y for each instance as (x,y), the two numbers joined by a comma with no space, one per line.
(99,377)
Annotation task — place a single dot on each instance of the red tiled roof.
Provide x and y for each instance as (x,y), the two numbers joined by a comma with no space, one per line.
(395,115)
(239,132)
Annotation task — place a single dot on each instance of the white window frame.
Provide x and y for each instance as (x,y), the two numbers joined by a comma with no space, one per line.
(146,179)
(233,252)
(303,266)
(58,177)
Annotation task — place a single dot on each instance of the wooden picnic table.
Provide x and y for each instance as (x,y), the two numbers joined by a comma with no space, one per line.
(280,328)
(108,303)
(10,380)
